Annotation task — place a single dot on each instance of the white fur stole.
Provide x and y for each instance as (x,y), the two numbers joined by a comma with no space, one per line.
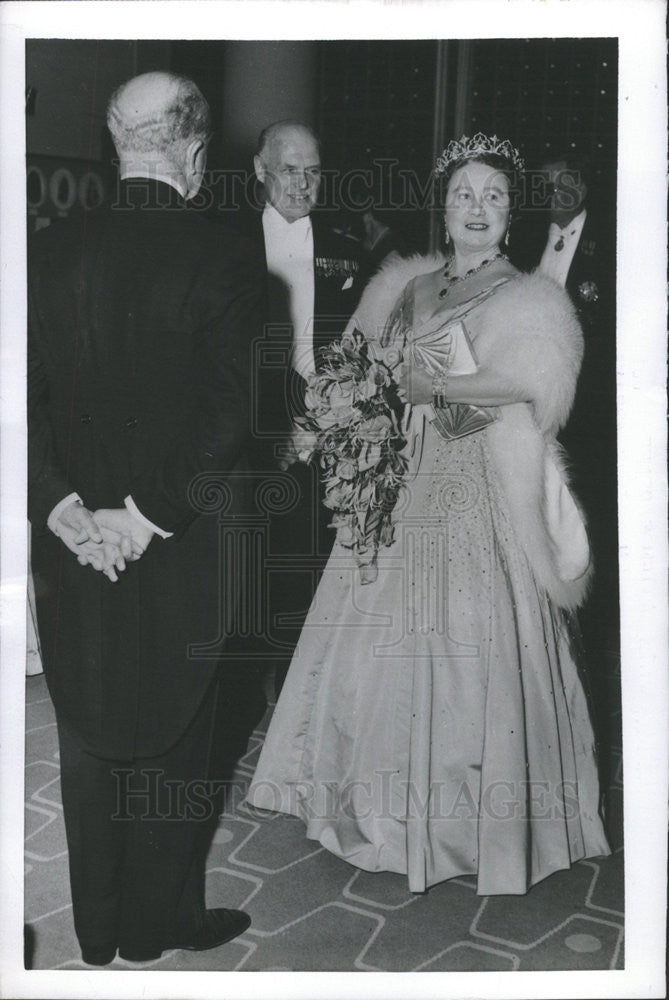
(529,334)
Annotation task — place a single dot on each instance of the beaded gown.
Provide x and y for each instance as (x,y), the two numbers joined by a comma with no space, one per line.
(433,723)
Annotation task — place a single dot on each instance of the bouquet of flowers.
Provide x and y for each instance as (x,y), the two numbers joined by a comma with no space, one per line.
(355,412)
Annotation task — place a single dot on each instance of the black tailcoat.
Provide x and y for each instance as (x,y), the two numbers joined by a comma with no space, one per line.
(298,538)
(141,319)
(337,288)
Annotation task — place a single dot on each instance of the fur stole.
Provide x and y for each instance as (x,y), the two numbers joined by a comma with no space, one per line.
(529,334)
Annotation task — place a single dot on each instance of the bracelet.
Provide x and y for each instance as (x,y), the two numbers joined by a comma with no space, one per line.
(439,389)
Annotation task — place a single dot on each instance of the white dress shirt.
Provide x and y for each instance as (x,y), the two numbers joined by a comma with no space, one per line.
(289,249)
(131,506)
(561,247)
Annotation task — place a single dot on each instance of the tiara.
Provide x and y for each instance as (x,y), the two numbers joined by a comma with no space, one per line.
(466,149)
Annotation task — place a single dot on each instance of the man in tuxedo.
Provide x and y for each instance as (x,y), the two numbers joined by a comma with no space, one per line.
(581,254)
(590,435)
(141,317)
(313,283)
(312,268)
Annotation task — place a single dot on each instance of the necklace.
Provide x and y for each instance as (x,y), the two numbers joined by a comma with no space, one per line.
(453,279)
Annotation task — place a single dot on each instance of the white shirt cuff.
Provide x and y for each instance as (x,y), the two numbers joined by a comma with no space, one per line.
(136,512)
(59,508)
(561,247)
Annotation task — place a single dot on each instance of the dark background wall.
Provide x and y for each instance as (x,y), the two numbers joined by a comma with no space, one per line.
(379,106)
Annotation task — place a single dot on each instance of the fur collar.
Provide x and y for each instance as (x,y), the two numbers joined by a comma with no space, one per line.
(529,334)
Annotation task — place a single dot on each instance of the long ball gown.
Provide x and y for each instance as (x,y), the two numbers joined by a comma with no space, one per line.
(433,723)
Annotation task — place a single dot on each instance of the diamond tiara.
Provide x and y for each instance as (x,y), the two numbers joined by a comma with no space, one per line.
(465,148)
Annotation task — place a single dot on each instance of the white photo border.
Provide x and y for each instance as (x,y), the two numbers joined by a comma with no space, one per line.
(640,28)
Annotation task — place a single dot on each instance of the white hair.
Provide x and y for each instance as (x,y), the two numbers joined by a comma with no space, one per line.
(165,129)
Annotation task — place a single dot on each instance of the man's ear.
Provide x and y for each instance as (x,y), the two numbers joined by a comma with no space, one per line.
(259,168)
(195,165)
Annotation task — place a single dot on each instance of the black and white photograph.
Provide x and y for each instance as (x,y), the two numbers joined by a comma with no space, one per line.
(334,529)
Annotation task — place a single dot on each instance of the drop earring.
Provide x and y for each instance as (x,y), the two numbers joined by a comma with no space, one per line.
(447,235)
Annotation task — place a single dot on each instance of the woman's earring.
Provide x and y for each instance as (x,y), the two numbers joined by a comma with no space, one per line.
(447,235)
(506,235)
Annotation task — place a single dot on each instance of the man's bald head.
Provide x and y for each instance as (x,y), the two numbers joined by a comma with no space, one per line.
(288,163)
(158,114)
(278,132)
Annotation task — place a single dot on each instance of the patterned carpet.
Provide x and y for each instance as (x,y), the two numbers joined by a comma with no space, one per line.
(313,912)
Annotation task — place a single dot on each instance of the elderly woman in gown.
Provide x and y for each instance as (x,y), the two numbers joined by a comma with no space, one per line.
(433,722)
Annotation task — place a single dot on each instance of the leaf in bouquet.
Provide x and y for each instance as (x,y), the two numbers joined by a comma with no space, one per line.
(353,341)
(338,494)
(345,535)
(365,390)
(392,356)
(378,374)
(372,383)
(327,419)
(387,532)
(328,441)
(375,429)
(389,501)
(361,517)
(365,408)
(345,415)
(363,551)
(364,493)
(397,461)
(368,572)
(331,351)
(318,386)
(373,521)
(346,469)
(314,407)
(369,456)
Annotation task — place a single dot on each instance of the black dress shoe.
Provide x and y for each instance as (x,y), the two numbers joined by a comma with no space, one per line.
(98,956)
(137,955)
(219,926)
